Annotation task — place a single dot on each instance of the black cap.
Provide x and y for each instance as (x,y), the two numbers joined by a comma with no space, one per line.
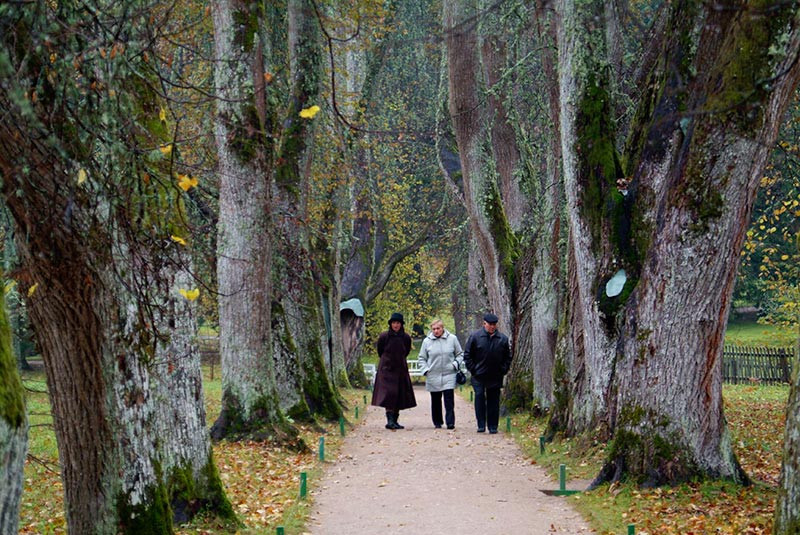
(490,318)
(396,316)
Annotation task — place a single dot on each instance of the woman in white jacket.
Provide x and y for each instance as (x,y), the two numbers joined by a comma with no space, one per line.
(440,357)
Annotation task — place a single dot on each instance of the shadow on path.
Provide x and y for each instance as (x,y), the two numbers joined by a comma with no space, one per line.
(433,481)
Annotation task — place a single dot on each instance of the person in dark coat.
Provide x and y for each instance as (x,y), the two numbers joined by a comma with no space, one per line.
(393,389)
(487,356)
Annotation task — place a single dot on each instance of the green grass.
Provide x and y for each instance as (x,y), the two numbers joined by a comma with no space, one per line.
(260,478)
(756,334)
(755,416)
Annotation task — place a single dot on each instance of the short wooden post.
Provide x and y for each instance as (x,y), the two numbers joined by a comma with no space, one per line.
(279,530)
(541,445)
(631,529)
(562,477)
(356,412)
(321,448)
(365,400)
(341,425)
(470,395)
(303,484)
(508,424)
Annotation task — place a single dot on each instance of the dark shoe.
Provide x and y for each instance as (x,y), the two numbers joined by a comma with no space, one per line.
(481,429)
(391,421)
(492,431)
(396,423)
(451,427)
(437,426)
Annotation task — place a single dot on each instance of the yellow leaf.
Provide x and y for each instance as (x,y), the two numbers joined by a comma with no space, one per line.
(9,286)
(81,176)
(191,295)
(309,113)
(166,149)
(32,289)
(178,239)
(162,114)
(785,257)
(185,182)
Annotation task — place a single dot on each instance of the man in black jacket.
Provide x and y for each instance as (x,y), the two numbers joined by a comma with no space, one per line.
(487,356)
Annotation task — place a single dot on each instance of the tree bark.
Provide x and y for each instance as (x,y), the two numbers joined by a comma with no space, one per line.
(13,430)
(297,307)
(787,507)
(490,229)
(244,130)
(92,217)
(674,219)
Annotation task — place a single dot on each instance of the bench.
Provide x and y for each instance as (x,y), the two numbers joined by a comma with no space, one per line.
(414,370)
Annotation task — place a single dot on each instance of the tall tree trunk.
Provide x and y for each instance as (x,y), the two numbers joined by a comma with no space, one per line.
(246,122)
(92,218)
(13,430)
(297,306)
(495,241)
(787,508)
(673,220)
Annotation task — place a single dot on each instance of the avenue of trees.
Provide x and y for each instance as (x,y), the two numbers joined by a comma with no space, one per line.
(587,170)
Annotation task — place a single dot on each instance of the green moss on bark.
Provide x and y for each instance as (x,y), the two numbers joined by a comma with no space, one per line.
(189,497)
(152,517)
(12,404)
(505,240)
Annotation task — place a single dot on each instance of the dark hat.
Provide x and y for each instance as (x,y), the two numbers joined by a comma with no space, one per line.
(396,316)
(490,318)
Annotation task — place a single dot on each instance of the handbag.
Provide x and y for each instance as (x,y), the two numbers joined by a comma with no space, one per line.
(461,377)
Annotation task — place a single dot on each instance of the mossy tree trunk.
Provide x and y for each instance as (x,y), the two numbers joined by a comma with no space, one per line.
(13,429)
(787,507)
(511,189)
(94,209)
(299,282)
(671,212)
(245,130)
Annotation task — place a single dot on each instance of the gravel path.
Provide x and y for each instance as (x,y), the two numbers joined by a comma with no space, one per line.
(434,481)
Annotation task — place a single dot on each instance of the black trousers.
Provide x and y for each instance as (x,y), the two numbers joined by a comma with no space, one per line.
(436,407)
(487,405)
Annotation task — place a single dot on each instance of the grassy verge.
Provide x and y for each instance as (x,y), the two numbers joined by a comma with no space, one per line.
(756,334)
(262,481)
(755,416)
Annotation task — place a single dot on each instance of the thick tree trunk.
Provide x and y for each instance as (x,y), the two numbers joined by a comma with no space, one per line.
(493,236)
(298,348)
(243,130)
(787,508)
(650,350)
(13,430)
(95,294)
(187,467)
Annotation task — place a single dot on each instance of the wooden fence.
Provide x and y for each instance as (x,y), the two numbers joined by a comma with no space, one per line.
(770,365)
(740,364)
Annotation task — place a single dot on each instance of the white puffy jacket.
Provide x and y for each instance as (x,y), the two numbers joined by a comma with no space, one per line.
(439,358)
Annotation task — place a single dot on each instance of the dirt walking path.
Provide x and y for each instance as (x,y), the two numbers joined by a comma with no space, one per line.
(430,481)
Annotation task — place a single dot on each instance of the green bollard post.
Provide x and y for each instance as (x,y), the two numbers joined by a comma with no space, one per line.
(562,477)
(356,412)
(631,529)
(508,424)
(303,484)
(321,448)
(279,530)
(541,445)
(365,400)
(341,425)
(470,395)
